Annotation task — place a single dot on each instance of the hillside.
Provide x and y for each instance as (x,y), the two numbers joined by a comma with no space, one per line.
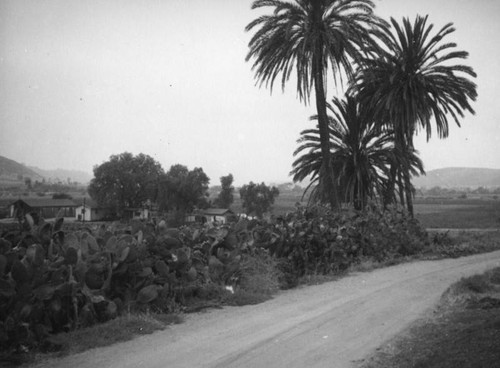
(459,177)
(62,175)
(12,171)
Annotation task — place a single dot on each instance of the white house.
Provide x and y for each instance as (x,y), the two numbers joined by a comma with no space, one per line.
(89,210)
(220,215)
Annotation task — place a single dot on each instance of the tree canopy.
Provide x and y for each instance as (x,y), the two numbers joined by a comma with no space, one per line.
(182,189)
(225,197)
(125,181)
(258,199)
(311,37)
(410,79)
(361,153)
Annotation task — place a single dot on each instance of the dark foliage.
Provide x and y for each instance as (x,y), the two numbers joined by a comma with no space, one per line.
(225,198)
(125,181)
(182,190)
(257,199)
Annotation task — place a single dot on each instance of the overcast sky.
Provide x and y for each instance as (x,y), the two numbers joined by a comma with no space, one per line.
(81,80)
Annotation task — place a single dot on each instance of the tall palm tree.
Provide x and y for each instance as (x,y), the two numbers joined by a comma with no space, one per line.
(411,80)
(361,154)
(311,36)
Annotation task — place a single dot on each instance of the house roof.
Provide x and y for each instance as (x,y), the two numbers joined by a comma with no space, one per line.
(46,202)
(216,211)
(89,203)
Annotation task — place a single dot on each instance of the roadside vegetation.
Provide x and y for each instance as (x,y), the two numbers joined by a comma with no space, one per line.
(358,157)
(60,286)
(464,330)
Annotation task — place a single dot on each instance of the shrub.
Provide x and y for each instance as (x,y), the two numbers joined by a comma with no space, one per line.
(464,243)
(315,240)
(495,276)
(54,280)
(259,273)
(476,284)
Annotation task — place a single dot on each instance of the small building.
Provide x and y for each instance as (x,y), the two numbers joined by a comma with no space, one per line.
(137,213)
(89,210)
(5,207)
(43,207)
(219,215)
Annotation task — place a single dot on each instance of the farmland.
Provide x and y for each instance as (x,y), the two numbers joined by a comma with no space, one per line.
(458,213)
(481,212)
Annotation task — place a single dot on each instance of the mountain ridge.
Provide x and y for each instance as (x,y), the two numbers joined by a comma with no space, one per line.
(448,177)
(11,170)
(459,177)
(63,174)
(14,172)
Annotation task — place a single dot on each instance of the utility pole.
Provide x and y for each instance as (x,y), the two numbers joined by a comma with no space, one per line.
(83,210)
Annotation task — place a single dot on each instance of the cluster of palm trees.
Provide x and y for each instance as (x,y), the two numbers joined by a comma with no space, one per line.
(399,79)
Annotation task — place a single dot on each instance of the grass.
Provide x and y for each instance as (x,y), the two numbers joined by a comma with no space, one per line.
(464,330)
(367,265)
(120,329)
(462,243)
(458,213)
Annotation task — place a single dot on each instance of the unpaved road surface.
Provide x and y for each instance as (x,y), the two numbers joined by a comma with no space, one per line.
(335,324)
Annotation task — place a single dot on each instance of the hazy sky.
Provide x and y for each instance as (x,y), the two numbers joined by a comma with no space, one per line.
(81,80)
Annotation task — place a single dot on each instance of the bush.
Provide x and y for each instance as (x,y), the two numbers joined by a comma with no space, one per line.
(495,276)
(259,273)
(463,244)
(54,280)
(317,241)
(476,284)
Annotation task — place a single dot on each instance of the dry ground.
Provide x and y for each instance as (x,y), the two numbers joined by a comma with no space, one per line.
(462,332)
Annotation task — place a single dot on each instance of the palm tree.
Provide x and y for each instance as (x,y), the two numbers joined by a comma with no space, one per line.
(361,154)
(311,36)
(407,161)
(411,80)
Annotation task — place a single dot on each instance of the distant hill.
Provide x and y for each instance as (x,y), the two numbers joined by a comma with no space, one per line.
(12,171)
(15,173)
(459,177)
(62,175)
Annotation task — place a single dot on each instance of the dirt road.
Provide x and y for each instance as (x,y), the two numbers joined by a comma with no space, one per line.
(330,325)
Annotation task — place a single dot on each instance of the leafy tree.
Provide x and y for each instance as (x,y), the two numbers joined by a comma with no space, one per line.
(311,36)
(225,197)
(258,199)
(181,190)
(125,181)
(411,80)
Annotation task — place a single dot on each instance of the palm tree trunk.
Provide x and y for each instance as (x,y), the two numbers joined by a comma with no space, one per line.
(391,185)
(327,183)
(408,193)
(402,190)
(407,175)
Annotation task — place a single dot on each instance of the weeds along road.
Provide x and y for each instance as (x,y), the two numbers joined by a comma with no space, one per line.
(335,324)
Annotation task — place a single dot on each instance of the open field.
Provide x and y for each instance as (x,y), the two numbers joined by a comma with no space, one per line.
(437,213)
(455,213)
